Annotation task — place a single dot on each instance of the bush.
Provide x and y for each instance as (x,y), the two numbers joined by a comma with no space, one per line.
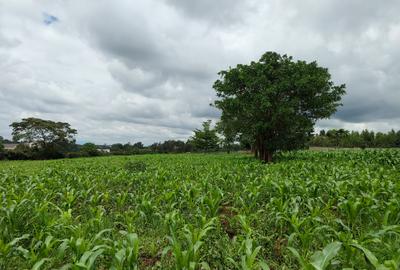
(135,166)
(17,155)
(90,149)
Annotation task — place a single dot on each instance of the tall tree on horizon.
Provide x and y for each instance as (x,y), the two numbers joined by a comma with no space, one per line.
(51,138)
(276,101)
(205,139)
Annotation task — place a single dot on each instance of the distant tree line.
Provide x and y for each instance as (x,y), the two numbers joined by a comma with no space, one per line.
(350,139)
(44,139)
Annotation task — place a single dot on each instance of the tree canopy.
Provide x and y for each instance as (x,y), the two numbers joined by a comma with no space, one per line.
(275,102)
(364,139)
(90,149)
(51,138)
(1,144)
(205,139)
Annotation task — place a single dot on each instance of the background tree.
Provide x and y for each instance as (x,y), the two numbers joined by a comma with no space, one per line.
(49,139)
(397,139)
(321,141)
(1,148)
(138,145)
(337,136)
(90,149)
(117,148)
(205,139)
(345,138)
(1,145)
(229,136)
(276,101)
(368,138)
(171,146)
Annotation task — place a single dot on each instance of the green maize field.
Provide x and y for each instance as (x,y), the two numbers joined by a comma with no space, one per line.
(308,210)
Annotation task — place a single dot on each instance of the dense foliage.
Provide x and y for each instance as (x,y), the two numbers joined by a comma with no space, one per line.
(364,139)
(46,138)
(310,210)
(1,144)
(2,153)
(89,149)
(205,139)
(24,152)
(275,102)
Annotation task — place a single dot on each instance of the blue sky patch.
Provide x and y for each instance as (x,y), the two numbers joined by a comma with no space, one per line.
(49,19)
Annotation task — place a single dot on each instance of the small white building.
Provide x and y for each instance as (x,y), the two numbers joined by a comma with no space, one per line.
(10,146)
(104,150)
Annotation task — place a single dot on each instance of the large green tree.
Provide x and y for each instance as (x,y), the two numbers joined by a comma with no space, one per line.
(49,137)
(205,139)
(276,101)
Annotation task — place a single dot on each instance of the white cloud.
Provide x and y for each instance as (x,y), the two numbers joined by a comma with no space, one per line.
(143,70)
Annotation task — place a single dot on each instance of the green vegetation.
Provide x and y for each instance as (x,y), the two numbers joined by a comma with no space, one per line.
(42,139)
(205,139)
(364,139)
(274,103)
(309,210)
(1,145)
(89,149)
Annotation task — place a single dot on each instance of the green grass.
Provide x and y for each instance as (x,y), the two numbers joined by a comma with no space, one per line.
(309,210)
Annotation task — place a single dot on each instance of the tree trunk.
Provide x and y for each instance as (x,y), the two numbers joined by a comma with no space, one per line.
(266,155)
(260,150)
(269,156)
(257,148)
(254,150)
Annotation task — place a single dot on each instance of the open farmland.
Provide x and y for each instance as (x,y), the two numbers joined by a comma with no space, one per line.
(309,210)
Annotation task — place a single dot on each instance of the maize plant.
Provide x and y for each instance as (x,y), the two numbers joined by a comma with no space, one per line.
(249,261)
(187,252)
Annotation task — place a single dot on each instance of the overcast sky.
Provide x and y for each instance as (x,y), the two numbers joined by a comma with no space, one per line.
(126,70)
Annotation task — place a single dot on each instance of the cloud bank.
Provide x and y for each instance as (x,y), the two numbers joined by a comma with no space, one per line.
(124,70)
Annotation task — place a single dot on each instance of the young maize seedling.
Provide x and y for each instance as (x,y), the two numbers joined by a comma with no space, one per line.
(187,254)
(7,249)
(212,203)
(387,265)
(126,253)
(320,260)
(249,258)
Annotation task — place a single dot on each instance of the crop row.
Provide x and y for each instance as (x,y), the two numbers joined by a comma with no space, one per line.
(309,210)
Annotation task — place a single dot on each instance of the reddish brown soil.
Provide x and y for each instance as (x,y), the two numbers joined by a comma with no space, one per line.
(148,261)
(226,214)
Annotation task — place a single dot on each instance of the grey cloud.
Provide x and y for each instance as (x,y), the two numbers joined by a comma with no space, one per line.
(124,32)
(143,70)
(221,12)
(342,18)
(7,42)
(202,111)
(135,80)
